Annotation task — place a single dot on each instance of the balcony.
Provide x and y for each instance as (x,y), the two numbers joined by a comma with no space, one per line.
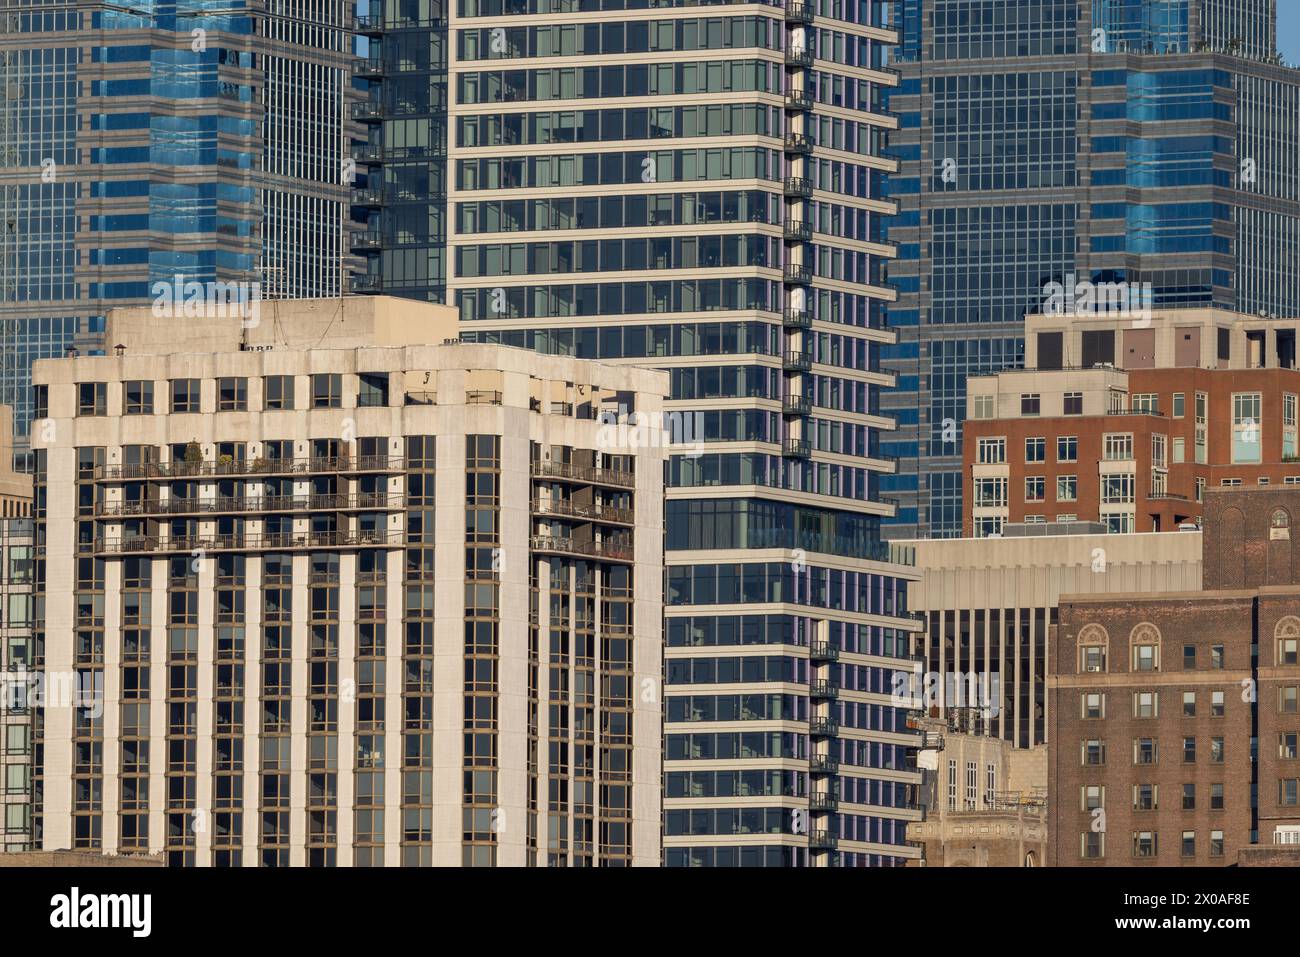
(605,551)
(795,406)
(797,187)
(822,841)
(823,727)
(797,318)
(368,24)
(823,651)
(823,764)
(821,688)
(823,801)
(258,466)
(587,511)
(796,275)
(367,111)
(798,101)
(234,505)
(799,13)
(371,66)
(798,448)
(366,282)
(931,741)
(367,197)
(798,58)
(798,144)
(797,231)
(583,474)
(293,541)
(365,240)
(368,154)
(796,362)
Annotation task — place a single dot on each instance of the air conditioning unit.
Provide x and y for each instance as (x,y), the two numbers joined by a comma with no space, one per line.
(1094,668)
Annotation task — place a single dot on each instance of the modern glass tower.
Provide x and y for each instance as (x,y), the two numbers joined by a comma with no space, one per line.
(171,142)
(697,188)
(1067,141)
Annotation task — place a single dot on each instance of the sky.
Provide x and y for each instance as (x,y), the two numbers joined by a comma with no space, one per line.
(1288,29)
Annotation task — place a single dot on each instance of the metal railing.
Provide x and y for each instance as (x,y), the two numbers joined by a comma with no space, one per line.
(258,466)
(606,550)
(584,473)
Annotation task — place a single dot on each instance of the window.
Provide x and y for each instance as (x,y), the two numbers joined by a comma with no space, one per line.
(1117,446)
(1146,656)
(1286,745)
(1216,797)
(1029,403)
(1092,844)
(1202,426)
(983,406)
(1246,427)
(992,451)
(1074,403)
(1189,657)
(92,398)
(1035,488)
(1036,450)
(1189,797)
(1118,489)
(1093,752)
(1145,750)
(1145,797)
(1180,401)
(1180,449)
(952,785)
(1092,658)
(137,397)
(1144,843)
(279,392)
(1067,488)
(1216,750)
(1216,704)
(1189,750)
(1067,448)
(1189,704)
(1094,705)
(1286,651)
(1146,704)
(1189,843)
(1216,844)
(1146,402)
(1288,792)
(373,390)
(990,492)
(1288,425)
(185,395)
(327,390)
(1216,657)
(1200,490)
(1092,796)
(1287,699)
(232,394)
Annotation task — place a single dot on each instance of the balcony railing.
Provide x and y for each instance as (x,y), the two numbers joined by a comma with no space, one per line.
(799,13)
(799,58)
(367,111)
(823,651)
(798,101)
(796,405)
(368,239)
(259,466)
(823,764)
(797,187)
(606,550)
(822,801)
(380,501)
(798,143)
(823,727)
(794,361)
(798,448)
(591,511)
(584,473)
(822,688)
(798,231)
(798,275)
(797,319)
(288,541)
(369,66)
(367,197)
(822,840)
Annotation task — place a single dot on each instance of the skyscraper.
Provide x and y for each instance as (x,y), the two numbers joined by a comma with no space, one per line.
(146,143)
(1072,142)
(699,189)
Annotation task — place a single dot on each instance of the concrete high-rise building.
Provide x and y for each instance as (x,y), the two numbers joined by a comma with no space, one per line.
(1072,142)
(17,611)
(699,189)
(164,146)
(1175,722)
(346,598)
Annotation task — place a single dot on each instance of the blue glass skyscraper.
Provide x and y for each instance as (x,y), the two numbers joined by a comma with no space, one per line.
(1109,140)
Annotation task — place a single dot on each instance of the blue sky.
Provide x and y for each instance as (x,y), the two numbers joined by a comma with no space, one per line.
(1288,29)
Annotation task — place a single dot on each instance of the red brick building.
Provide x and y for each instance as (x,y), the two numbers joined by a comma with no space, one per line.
(1169,712)
(1132,450)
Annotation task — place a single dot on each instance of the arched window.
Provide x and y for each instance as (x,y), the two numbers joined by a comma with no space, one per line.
(1281,519)
(1145,644)
(1093,642)
(1287,634)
